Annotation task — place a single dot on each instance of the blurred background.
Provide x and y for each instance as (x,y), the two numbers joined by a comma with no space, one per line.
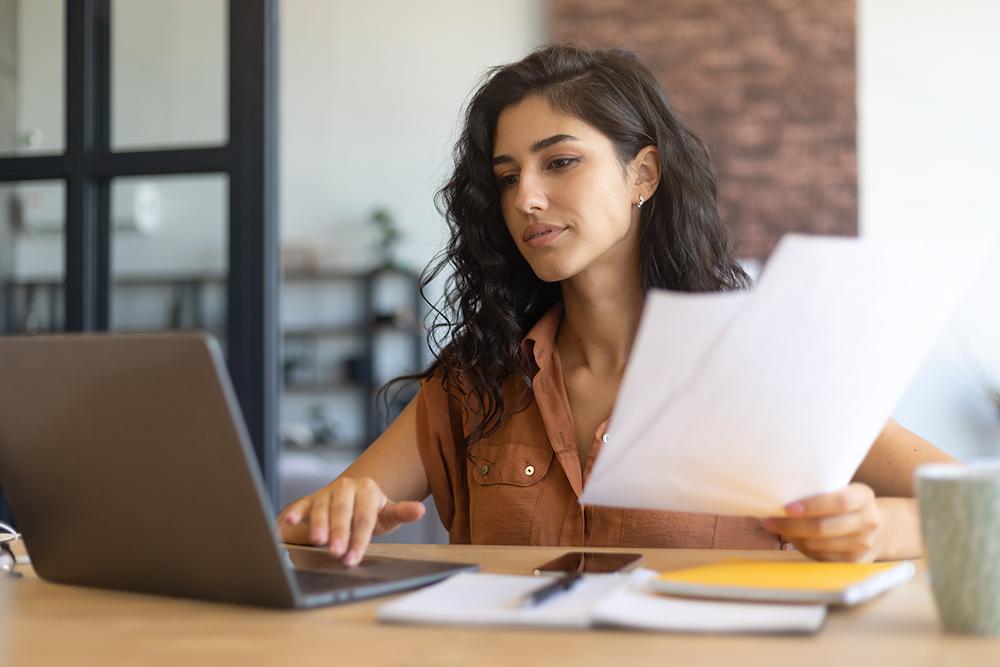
(874,117)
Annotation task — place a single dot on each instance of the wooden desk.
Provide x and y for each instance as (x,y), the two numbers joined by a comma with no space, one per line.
(48,624)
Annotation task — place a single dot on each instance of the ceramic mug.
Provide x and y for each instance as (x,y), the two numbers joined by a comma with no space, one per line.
(960,521)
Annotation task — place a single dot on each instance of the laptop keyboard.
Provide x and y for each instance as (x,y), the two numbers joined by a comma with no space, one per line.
(311,581)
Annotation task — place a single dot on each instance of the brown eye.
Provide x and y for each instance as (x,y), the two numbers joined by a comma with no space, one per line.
(507,180)
(562,163)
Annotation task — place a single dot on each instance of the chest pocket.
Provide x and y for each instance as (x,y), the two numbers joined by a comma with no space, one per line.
(505,486)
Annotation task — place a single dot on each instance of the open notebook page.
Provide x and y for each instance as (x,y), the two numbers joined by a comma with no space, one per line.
(599,600)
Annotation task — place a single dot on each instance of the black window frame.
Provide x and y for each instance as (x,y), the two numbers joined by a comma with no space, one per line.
(249,159)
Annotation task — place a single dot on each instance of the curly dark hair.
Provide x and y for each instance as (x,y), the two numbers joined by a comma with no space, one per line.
(492,297)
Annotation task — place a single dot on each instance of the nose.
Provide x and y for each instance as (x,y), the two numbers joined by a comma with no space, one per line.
(530,197)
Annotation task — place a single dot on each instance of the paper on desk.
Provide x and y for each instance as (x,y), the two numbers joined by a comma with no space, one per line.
(608,600)
(636,606)
(740,403)
(494,599)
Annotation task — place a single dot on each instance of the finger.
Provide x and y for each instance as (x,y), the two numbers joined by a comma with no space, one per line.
(300,533)
(318,518)
(820,527)
(341,513)
(849,547)
(849,499)
(293,514)
(366,510)
(834,556)
(394,514)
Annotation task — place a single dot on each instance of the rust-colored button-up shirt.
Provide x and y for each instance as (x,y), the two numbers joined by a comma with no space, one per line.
(521,485)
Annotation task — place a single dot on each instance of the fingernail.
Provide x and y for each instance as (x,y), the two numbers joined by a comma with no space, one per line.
(317,538)
(292,519)
(352,558)
(795,508)
(337,546)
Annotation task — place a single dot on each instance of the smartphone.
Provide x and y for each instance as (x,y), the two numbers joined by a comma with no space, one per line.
(589,562)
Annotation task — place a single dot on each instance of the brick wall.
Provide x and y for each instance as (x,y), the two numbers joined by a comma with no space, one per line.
(769,85)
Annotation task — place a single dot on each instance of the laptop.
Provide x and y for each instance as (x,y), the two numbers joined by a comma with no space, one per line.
(127,465)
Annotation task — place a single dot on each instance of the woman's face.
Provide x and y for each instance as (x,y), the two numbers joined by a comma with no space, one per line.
(566,199)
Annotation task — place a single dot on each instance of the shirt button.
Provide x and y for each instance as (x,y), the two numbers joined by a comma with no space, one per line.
(604,438)
(485,468)
(529,471)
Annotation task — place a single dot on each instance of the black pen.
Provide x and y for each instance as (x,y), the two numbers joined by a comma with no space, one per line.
(560,585)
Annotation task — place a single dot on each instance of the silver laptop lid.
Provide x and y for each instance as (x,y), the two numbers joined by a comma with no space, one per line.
(127,465)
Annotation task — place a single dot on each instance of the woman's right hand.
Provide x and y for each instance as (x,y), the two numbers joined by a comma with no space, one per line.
(344,515)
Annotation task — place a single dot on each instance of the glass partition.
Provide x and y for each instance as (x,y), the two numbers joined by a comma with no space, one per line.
(32,77)
(32,256)
(168,73)
(169,253)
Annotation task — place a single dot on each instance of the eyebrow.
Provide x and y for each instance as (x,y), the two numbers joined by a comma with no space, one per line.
(539,145)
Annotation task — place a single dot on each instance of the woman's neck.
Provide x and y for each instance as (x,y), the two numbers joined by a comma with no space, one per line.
(600,320)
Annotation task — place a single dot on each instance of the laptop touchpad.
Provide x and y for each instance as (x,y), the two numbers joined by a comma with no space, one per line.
(371,567)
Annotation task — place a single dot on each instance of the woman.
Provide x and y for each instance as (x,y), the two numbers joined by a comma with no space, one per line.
(576,189)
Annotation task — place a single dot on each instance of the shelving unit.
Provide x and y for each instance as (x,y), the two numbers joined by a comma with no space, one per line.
(376,319)
(359,310)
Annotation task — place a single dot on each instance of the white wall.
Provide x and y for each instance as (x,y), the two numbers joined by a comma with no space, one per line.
(370,97)
(929,154)
(929,102)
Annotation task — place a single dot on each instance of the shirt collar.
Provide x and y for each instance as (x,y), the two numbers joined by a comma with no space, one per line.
(541,338)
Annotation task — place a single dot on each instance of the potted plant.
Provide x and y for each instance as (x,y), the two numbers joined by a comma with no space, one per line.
(388,235)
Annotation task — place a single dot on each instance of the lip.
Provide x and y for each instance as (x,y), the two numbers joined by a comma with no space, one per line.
(540,235)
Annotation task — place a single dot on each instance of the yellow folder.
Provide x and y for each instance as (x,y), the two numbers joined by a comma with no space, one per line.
(785,581)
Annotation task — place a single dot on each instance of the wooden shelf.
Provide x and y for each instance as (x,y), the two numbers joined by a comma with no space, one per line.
(350,447)
(340,330)
(163,279)
(330,331)
(340,386)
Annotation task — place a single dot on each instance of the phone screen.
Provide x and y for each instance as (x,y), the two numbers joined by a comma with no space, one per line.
(590,562)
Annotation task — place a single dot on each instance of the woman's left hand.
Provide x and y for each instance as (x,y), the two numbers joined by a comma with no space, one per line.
(844,525)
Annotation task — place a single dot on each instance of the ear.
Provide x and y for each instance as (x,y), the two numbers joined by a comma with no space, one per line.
(645,172)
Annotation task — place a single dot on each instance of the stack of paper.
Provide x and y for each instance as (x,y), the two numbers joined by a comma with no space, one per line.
(739,403)
(599,600)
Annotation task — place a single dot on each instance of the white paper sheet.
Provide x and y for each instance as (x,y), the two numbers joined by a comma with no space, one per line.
(738,404)
(600,600)
(494,599)
(635,606)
